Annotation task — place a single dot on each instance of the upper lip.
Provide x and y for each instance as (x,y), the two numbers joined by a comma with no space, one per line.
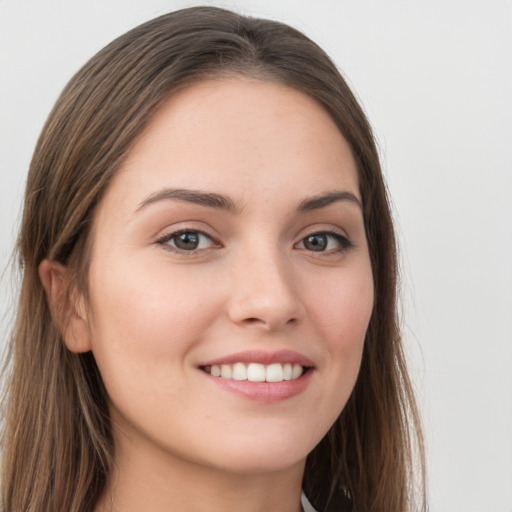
(262,357)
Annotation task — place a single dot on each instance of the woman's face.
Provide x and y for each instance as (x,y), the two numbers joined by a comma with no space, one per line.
(230,242)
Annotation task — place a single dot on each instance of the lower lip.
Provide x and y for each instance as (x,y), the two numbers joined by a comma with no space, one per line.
(264,391)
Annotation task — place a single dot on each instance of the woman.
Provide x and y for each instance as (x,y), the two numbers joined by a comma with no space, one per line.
(207,318)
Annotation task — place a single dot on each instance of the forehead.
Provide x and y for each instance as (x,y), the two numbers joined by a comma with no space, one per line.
(237,135)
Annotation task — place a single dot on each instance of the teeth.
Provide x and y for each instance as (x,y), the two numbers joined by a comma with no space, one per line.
(275,373)
(239,372)
(256,372)
(296,371)
(225,371)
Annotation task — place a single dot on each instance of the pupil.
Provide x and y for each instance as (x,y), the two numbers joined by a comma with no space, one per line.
(187,241)
(316,242)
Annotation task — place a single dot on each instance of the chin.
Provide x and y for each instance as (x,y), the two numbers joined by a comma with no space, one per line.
(264,453)
(245,464)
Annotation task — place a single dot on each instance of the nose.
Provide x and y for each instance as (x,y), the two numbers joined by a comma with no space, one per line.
(264,294)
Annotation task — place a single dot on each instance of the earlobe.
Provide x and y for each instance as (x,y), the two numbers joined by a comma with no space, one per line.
(67,309)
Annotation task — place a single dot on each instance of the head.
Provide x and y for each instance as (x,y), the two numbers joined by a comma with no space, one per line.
(102,115)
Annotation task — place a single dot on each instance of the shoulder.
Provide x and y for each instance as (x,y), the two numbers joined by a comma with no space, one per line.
(306,506)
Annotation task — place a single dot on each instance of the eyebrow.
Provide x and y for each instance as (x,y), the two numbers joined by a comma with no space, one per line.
(209,199)
(323,200)
(222,202)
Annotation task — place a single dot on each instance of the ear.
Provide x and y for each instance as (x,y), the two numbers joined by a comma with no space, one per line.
(67,308)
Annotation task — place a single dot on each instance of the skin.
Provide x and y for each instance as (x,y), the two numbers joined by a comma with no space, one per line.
(155,313)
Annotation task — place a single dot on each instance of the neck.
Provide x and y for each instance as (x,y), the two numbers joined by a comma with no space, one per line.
(146,480)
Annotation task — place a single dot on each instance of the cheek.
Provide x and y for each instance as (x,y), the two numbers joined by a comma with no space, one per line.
(342,313)
(148,321)
(343,309)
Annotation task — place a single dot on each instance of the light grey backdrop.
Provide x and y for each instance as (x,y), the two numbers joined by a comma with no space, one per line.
(435,77)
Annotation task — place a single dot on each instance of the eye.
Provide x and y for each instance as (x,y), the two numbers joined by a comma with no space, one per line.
(324,242)
(187,240)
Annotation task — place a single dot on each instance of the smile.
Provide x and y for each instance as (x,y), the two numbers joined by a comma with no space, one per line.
(256,372)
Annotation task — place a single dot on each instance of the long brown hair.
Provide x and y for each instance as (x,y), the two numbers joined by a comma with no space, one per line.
(57,443)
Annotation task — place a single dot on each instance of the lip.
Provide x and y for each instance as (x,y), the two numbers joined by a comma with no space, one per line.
(266,392)
(263,391)
(262,357)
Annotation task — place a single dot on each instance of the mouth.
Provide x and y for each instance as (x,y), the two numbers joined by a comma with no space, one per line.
(257,372)
(261,375)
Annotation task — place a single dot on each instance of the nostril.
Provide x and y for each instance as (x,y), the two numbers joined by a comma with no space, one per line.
(257,321)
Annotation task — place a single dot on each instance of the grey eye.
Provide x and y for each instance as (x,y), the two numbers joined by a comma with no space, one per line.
(189,241)
(317,242)
(322,242)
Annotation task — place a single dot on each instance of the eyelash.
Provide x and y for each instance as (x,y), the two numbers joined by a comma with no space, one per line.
(344,243)
(166,239)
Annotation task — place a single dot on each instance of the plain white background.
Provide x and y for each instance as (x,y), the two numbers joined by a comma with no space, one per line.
(435,78)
